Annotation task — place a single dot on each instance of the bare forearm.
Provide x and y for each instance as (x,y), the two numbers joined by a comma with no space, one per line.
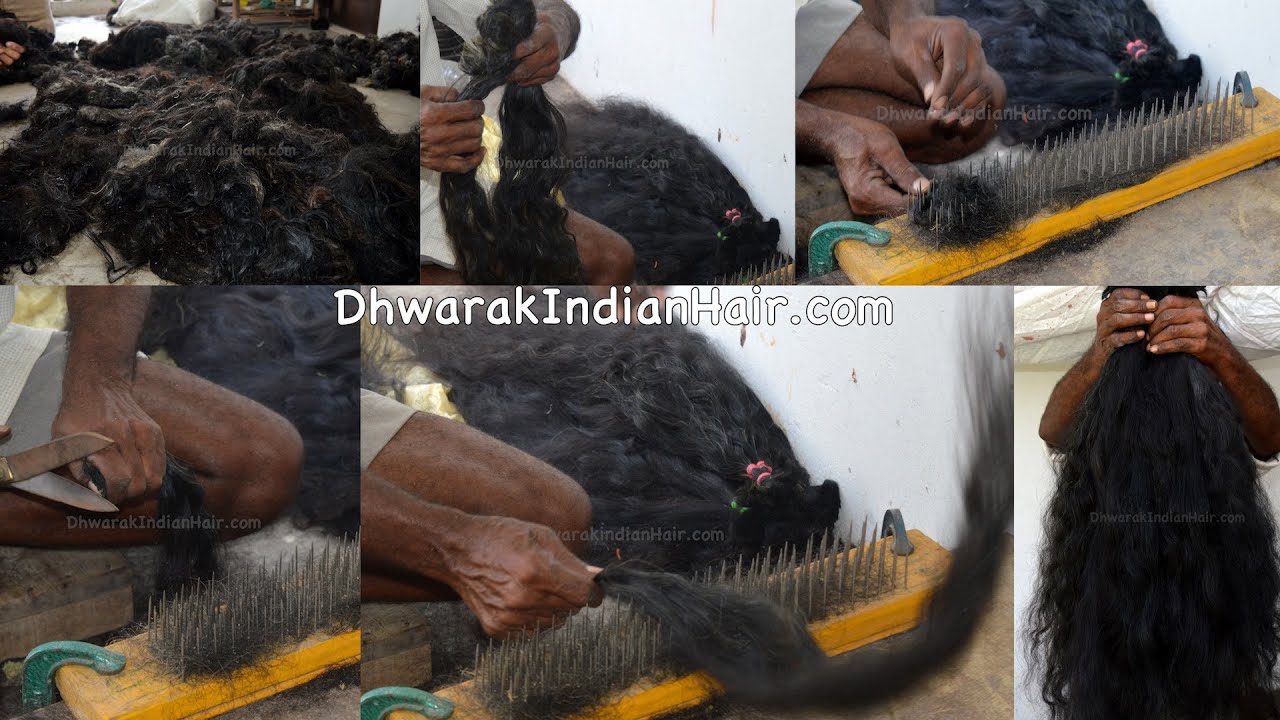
(1254,398)
(403,533)
(104,323)
(817,131)
(566,21)
(883,13)
(1068,394)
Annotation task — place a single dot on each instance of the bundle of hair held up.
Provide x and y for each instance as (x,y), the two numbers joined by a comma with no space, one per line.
(518,235)
(1159,575)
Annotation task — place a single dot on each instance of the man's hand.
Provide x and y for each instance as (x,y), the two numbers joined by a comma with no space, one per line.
(873,169)
(1182,325)
(514,575)
(10,53)
(1122,320)
(134,466)
(451,131)
(540,53)
(944,56)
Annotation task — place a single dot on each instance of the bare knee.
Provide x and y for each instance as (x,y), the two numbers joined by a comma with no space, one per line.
(607,257)
(270,468)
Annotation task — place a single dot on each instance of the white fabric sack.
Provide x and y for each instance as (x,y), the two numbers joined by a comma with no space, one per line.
(179,12)
(1054,325)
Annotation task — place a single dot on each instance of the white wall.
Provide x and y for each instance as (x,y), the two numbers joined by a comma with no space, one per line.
(1034,486)
(722,68)
(398,16)
(1229,35)
(875,408)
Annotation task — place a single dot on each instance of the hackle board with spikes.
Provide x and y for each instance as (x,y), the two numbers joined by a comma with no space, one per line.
(852,598)
(296,599)
(778,270)
(1252,137)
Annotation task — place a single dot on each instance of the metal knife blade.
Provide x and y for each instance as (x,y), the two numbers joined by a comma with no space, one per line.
(53,454)
(68,492)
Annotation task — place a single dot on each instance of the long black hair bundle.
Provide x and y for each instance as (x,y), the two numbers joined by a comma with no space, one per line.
(1159,575)
(1072,64)
(518,235)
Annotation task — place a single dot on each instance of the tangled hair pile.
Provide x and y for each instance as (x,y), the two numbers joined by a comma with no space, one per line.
(518,235)
(40,52)
(280,347)
(1057,59)
(1170,619)
(644,176)
(214,155)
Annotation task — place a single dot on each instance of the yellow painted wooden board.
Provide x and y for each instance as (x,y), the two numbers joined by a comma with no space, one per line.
(144,691)
(888,614)
(908,260)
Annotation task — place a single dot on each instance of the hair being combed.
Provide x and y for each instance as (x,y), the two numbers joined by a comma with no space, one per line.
(518,234)
(1172,618)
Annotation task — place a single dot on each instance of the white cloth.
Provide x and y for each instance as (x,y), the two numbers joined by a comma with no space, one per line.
(380,419)
(20,348)
(819,24)
(460,16)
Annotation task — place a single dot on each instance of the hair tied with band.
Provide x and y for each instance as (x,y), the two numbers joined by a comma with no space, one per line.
(758,471)
(1136,48)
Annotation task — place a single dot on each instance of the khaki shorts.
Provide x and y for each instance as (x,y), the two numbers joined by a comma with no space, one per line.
(37,13)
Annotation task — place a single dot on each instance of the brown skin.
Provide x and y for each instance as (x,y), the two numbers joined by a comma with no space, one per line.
(448,511)
(10,53)
(922,79)
(1174,324)
(247,459)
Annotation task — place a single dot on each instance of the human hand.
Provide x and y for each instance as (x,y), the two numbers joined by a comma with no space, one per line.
(10,53)
(1122,320)
(451,131)
(134,466)
(873,169)
(1183,325)
(540,53)
(515,575)
(944,56)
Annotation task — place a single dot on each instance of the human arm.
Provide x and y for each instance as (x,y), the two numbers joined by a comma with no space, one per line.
(873,169)
(97,390)
(553,39)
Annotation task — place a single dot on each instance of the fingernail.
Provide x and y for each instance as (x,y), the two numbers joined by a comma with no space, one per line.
(1142,333)
(1154,348)
(1151,305)
(594,569)
(928,92)
(1149,317)
(920,186)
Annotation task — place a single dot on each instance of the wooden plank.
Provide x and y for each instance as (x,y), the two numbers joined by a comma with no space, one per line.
(146,691)
(890,613)
(909,260)
(395,646)
(48,595)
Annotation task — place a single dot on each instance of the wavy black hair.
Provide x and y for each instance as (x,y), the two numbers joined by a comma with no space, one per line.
(643,175)
(518,235)
(1071,64)
(1159,575)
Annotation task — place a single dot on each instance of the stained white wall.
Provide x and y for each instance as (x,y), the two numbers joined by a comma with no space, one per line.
(875,408)
(398,16)
(1228,36)
(722,68)
(1034,486)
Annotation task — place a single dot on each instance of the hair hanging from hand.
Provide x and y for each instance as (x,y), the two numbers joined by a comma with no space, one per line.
(518,235)
(1071,64)
(1159,575)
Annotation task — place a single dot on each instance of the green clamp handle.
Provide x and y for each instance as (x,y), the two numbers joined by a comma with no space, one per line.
(822,242)
(43,662)
(377,704)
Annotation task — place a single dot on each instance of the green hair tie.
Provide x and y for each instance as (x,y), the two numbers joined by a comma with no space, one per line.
(739,508)
(1121,78)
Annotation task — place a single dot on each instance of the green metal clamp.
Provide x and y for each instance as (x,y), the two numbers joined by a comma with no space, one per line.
(823,241)
(43,662)
(377,704)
